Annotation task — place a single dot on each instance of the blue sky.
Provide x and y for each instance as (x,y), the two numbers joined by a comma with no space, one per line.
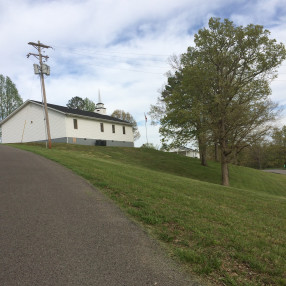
(120,47)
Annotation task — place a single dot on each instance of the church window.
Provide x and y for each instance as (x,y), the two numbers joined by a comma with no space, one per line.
(75,123)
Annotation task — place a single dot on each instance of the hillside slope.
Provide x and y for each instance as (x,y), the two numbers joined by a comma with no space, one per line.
(227,235)
(240,177)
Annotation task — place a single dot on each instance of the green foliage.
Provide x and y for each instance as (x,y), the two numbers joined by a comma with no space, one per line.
(178,109)
(76,103)
(255,156)
(121,114)
(227,236)
(89,105)
(81,104)
(278,145)
(9,97)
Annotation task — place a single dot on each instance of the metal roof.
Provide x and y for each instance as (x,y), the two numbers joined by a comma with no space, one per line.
(71,112)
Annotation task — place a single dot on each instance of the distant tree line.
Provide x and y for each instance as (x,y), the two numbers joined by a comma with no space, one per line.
(269,152)
(81,104)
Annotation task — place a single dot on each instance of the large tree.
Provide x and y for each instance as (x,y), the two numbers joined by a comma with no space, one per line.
(9,97)
(123,115)
(179,110)
(238,64)
(81,104)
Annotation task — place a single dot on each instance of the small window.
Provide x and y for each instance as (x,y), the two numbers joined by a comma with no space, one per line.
(101,127)
(113,128)
(75,123)
(123,129)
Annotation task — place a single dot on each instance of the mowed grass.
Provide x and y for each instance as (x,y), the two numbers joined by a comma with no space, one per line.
(225,235)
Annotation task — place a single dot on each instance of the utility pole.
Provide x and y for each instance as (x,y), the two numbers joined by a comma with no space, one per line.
(41,70)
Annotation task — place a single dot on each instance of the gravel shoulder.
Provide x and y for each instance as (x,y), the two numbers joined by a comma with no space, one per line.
(276,171)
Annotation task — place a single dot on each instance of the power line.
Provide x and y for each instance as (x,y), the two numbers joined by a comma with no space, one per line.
(95,54)
(116,52)
(111,59)
(120,69)
(115,57)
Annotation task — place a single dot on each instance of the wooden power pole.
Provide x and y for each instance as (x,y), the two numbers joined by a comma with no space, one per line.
(41,70)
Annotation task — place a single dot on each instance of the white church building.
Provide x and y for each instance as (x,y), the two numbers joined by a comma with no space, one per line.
(27,124)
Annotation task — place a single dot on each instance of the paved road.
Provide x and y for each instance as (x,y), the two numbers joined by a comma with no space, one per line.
(56,229)
(276,171)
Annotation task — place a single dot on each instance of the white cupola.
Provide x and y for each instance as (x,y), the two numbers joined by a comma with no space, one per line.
(99,107)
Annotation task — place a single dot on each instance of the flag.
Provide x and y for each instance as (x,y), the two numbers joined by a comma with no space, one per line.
(145,117)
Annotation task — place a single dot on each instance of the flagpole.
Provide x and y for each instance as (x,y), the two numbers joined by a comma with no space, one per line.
(146,127)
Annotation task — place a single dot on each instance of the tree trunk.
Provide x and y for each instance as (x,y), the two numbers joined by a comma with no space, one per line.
(216,152)
(203,150)
(223,154)
(224,170)
(204,157)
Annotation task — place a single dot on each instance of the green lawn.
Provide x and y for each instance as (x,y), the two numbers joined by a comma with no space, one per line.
(225,235)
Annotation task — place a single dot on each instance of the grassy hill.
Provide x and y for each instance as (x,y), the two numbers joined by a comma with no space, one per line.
(225,235)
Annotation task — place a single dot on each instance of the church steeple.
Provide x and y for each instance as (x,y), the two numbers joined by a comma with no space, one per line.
(99,108)
(99,97)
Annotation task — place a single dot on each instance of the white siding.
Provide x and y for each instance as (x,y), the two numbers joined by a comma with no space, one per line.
(28,125)
(57,124)
(90,129)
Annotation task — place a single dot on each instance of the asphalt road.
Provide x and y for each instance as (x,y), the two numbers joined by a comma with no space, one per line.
(276,171)
(56,229)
